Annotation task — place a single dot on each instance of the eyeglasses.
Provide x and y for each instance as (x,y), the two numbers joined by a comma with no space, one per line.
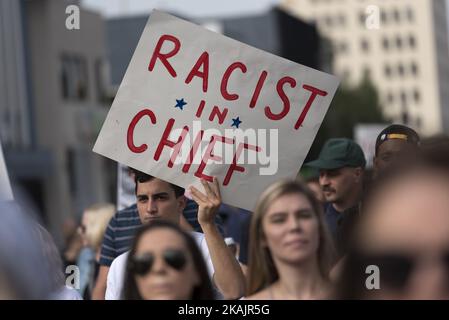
(396,268)
(142,264)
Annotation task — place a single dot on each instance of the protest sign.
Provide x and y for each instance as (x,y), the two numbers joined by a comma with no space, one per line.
(5,186)
(196,104)
(125,188)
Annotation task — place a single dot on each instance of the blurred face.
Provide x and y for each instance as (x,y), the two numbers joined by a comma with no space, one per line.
(389,152)
(82,229)
(339,184)
(316,189)
(170,272)
(156,200)
(291,229)
(406,233)
(68,227)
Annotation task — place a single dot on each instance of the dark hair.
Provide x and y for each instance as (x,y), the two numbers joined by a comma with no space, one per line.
(143,177)
(202,292)
(411,136)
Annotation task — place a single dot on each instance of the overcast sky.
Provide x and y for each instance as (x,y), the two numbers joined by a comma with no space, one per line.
(189,8)
(192,8)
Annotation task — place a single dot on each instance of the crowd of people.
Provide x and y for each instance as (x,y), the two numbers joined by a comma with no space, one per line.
(346,232)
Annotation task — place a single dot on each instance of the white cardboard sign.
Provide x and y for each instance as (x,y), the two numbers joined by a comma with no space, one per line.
(5,186)
(194,103)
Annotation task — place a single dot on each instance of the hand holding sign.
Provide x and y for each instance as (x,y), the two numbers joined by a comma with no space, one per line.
(196,104)
(208,203)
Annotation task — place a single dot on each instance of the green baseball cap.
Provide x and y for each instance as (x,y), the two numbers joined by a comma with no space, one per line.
(339,153)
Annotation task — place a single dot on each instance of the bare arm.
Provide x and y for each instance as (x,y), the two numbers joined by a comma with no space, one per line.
(337,269)
(99,290)
(228,275)
(244,269)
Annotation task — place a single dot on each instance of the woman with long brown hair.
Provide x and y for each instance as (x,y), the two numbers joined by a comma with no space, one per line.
(291,251)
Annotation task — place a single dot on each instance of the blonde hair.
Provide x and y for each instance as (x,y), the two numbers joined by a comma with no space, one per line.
(261,270)
(97,218)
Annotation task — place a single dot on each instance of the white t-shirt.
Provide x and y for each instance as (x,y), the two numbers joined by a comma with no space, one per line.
(116,274)
(66,293)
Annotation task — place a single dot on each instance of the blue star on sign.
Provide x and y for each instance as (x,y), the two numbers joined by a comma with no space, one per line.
(236,122)
(180,104)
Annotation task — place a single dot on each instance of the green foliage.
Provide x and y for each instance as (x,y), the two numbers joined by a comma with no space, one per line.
(349,107)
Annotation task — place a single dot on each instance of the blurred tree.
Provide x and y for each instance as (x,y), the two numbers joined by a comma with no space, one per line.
(350,106)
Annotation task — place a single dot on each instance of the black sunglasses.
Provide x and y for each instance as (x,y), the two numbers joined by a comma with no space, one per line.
(142,264)
(395,268)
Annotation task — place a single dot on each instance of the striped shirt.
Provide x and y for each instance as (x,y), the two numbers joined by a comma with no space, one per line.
(124,224)
(119,234)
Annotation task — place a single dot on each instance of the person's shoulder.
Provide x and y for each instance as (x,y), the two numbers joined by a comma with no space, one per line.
(120,261)
(126,211)
(122,257)
(198,236)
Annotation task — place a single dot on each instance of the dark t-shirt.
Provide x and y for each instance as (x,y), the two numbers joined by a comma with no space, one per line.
(119,234)
(340,225)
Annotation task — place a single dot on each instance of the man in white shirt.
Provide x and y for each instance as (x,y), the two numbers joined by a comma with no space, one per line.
(160,200)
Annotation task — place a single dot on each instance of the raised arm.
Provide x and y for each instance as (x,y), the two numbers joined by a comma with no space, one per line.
(228,276)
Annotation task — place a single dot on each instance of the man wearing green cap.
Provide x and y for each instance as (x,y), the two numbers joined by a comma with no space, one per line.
(341,164)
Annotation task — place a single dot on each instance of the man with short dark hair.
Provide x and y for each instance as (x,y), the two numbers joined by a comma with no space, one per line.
(341,164)
(120,233)
(393,143)
(159,200)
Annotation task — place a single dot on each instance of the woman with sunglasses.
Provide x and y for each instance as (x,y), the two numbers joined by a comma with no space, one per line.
(165,264)
(290,252)
(400,248)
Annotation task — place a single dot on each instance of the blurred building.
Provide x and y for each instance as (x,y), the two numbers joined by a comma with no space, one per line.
(53,100)
(123,34)
(402,45)
(274,31)
(277,32)
(28,163)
